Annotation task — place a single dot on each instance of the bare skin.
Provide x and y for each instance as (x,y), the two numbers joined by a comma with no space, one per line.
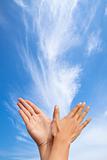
(65,131)
(39,125)
(72,124)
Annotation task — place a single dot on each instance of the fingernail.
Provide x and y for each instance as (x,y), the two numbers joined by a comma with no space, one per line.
(19,98)
(88,107)
(56,107)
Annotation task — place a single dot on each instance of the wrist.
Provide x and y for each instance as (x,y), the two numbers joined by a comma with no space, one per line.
(60,149)
(45,149)
(61,142)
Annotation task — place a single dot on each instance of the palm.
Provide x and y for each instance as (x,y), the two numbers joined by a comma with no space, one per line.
(39,128)
(37,123)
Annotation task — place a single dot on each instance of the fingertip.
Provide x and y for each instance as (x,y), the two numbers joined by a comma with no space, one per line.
(19,111)
(84,103)
(18,103)
(28,100)
(89,119)
(19,98)
(56,109)
(88,107)
(56,106)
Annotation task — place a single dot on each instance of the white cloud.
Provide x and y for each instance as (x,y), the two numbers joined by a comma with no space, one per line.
(54,36)
(20,3)
(61,29)
(54,79)
(94,43)
(56,25)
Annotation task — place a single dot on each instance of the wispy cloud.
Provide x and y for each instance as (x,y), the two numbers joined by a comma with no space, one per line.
(54,79)
(106,10)
(56,26)
(23,139)
(19,154)
(20,3)
(94,43)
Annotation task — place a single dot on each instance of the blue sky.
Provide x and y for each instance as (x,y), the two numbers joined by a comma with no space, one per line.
(53,53)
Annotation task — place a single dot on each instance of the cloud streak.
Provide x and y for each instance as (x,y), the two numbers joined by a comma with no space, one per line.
(94,43)
(56,26)
(106,10)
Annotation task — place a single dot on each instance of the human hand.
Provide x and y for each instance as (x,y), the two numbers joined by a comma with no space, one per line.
(70,127)
(37,123)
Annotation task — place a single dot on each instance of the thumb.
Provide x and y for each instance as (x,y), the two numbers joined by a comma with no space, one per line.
(56,116)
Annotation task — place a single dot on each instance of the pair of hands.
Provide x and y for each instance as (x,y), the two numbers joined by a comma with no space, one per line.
(44,131)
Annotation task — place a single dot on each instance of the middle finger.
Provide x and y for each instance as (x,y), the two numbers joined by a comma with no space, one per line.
(80,110)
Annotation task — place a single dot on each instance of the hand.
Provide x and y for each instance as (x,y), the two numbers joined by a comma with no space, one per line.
(70,127)
(37,123)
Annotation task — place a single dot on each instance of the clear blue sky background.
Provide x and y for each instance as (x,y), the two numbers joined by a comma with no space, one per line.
(15,78)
